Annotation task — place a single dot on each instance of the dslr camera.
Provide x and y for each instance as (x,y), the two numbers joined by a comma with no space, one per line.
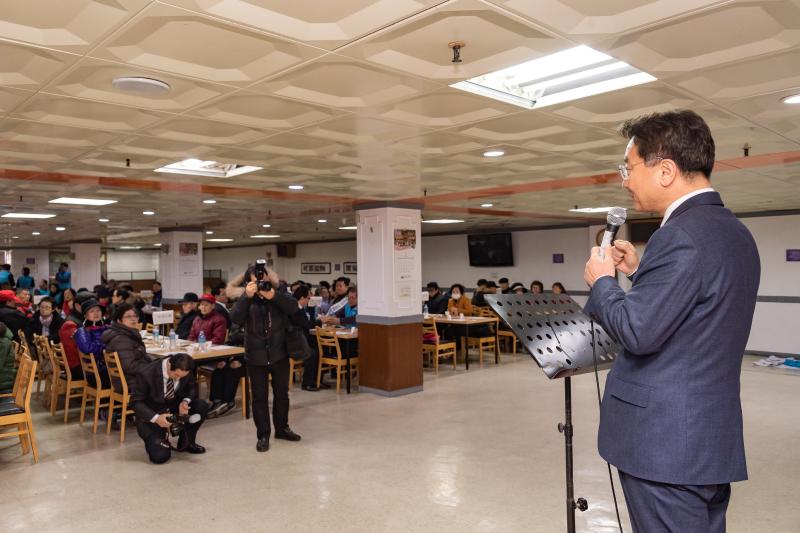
(177,424)
(260,271)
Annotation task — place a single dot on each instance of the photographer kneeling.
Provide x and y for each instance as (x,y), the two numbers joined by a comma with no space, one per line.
(265,310)
(165,401)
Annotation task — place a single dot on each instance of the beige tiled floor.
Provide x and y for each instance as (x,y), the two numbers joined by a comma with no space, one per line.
(475,451)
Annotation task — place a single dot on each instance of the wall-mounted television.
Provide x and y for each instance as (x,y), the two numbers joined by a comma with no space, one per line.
(490,249)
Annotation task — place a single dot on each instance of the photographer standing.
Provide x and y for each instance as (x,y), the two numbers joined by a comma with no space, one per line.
(265,313)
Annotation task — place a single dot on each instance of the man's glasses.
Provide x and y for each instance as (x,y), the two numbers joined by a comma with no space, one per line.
(130,317)
(625,170)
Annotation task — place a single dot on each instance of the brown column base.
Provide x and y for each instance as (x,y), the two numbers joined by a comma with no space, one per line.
(390,358)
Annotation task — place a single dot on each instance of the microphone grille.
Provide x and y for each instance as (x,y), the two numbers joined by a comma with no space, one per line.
(616,216)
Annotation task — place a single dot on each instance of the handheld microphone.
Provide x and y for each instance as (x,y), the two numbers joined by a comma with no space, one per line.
(615,218)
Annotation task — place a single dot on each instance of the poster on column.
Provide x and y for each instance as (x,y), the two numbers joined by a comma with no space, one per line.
(405,265)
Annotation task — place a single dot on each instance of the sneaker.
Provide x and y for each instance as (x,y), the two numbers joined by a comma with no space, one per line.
(287,434)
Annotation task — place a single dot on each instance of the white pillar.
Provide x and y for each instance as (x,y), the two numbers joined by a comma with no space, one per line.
(181,263)
(37,259)
(85,264)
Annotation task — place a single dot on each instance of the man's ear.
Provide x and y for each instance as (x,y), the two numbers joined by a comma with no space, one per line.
(669,172)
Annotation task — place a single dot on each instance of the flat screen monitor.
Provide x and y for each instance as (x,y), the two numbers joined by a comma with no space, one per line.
(490,249)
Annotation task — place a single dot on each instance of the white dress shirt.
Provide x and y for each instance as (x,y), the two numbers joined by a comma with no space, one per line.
(164,369)
(674,205)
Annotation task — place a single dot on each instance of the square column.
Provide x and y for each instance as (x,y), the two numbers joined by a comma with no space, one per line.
(181,263)
(85,264)
(389,299)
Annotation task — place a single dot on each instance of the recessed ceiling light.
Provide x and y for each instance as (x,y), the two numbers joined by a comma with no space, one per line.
(130,247)
(219,240)
(493,153)
(322,221)
(15,237)
(157,244)
(102,220)
(487,205)
(209,201)
(60,228)
(443,221)
(140,84)
(209,232)
(81,201)
(27,215)
(148,213)
(264,236)
(296,187)
(555,78)
(348,227)
(35,233)
(266,225)
(210,169)
(794,99)
(591,210)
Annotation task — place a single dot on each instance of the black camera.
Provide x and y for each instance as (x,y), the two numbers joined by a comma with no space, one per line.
(260,271)
(177,424)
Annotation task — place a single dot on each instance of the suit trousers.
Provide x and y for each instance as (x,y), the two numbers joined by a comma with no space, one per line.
(154,436)
(664,508)
(225,381)
(280,396)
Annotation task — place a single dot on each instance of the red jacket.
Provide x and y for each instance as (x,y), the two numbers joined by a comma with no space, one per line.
(67,336)
(213,324)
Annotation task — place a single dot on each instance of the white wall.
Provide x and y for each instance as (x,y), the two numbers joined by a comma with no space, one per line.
(131,261)
(335,253)
(39,270)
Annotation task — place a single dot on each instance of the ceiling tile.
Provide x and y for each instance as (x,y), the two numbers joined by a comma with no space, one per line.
(193,130)
(48,134)
(84,113)
(11,98)
(26,67)
(352,129)
(266,112)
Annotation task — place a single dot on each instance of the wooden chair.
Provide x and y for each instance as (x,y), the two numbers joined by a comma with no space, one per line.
(17,353)
(294,366)
(89,365)
(489,343)
(18,411)
(149,328)
(47,359)
(34,353)
(432,345)
(326,338)
(72,388)
(117,400)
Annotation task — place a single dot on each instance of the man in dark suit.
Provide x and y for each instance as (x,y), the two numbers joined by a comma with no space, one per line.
(671,419)
(166,388)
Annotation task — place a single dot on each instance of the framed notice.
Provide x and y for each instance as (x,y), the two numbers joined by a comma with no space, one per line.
(350,267)
(315,268)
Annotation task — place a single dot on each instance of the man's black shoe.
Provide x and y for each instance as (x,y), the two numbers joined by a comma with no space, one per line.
(225,408)
(287,434)
(195,448)
(310,388)
(263,444)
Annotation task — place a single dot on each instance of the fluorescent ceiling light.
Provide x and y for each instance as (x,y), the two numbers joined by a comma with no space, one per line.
(266,225)
(35,233)
(60,228)
(794,99)
(209,201)
(296,187)
(219,240)
(264,236)
(567,75)
(27,215)
(81,201)
(148,213)
(592,210)
(442,221)
(349,227)
(130,247)
(211,169)
(102,220)
(157,244)
(209,232)
(487,205)
(15,237)
(322,221)
(493,153)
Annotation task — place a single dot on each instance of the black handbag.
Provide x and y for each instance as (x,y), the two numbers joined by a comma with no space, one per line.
(297,344)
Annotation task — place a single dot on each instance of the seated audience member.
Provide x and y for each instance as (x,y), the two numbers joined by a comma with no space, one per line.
(166,388)
(518,288)
(56,295)
(104,299)
(42,289)
(89,339)
(73,321)
(558,288)
(437,300)
(188,313)
(304,319)
(323,291)
(157,294)
(25,306)
(67,296)
(8,367)
(118,296)
(339,299)
(480,290)
(210,321)
(347,315)
(10,315)
(221,295)
(6,277)
(504,288)
(46,321)
(459,302)
(123,337)
(25,281)
(537,287)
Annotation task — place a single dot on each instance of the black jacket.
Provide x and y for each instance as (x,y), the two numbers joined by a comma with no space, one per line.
(14,320)
(438,306)
(35,326)
(252,313)
(128,344)
(148,396)
(185,325)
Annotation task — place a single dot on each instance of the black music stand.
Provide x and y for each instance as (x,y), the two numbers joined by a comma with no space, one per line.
(554,330)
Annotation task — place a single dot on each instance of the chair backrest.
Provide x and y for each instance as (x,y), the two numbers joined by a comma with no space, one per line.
(89,366)
(429,327)
(17,353)
(482,311)
(43,350)
(25,375)
(115,372)
(328,338)
(23,340)
(59,356)
(149,328)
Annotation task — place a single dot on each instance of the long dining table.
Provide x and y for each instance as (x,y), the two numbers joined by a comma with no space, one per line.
(466,321)
(345,334)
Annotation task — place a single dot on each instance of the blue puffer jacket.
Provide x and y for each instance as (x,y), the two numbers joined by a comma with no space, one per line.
(88,340)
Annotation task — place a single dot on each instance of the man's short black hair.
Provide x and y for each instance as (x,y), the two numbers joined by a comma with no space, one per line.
(343,279)
(300,292)
(502,280)
(432,285)
(26,271)
(352,289)
(682,136)
(325,284)
(181,361)
(481,282)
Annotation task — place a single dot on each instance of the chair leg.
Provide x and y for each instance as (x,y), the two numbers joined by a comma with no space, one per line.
(243,387)
(319,370)
(32,437)
(96,413)
(84,401)
(54,398)
(435,356)
(110,414)
(23,439)
(338,377)
(67,397)
(124,418)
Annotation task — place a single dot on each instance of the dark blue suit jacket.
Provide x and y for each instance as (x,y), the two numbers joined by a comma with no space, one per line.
(671,410)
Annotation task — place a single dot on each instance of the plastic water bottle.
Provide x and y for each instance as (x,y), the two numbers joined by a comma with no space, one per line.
(425,310)
(156,335)
(173,339)
(201,341)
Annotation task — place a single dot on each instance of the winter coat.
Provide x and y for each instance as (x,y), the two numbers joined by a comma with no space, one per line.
(8,372)
(128,344)
(252,313)
(88,339)
(67,336)
(213,325)
(185,324)
(14,320)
